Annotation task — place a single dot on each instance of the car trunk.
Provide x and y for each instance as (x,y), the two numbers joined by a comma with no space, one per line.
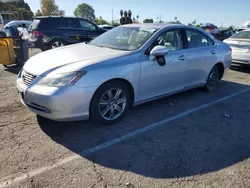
(239,45)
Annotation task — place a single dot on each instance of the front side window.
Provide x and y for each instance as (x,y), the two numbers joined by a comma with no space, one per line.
(124,38)
(170,39)
(74,23)
(196,39)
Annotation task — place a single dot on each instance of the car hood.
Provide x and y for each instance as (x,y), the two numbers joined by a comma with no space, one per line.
(78,55)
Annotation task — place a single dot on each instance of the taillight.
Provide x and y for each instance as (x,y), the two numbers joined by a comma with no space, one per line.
(38,33)
(231,50)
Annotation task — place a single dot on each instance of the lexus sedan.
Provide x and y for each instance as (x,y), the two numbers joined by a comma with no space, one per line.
(240,44)
(123,67)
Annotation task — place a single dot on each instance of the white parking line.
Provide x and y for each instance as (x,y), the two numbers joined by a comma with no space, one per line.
(7,181)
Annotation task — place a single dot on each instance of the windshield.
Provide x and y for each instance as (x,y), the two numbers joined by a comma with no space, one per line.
(124,38)
(242,35)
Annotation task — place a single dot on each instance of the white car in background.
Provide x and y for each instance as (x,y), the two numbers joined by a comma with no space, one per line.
(240,44)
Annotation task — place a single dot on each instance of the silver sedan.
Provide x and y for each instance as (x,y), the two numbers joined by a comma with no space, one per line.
(240,44)
(125,66)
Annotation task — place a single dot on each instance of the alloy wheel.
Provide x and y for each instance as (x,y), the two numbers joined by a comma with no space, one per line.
(57,44)
(112,104)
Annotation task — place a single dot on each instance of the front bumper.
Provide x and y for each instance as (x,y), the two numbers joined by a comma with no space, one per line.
(60,104)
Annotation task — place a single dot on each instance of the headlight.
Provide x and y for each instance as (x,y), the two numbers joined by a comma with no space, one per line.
(63,79)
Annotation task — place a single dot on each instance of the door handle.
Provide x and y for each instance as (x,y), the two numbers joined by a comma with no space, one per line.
(182,57)
(213,51)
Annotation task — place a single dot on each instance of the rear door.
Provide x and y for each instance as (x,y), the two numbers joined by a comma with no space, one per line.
(72,30)
(201,55)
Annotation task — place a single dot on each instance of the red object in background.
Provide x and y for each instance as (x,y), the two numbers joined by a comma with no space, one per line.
(38,33)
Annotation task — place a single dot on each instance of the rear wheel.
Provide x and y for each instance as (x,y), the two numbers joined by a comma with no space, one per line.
(213,79)
(110,103)
(57,43)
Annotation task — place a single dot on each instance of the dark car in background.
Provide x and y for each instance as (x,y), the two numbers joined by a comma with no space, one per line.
(53,32)
(222,34)
(106,27)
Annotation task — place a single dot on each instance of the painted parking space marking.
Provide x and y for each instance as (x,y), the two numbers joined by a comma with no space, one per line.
(7,181)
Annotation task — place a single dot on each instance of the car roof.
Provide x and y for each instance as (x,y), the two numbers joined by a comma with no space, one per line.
(14,22)
(45,17)
(152,25)
(160,26)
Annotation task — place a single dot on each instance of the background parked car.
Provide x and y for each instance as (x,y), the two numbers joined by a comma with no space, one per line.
(14,25)
(240,44)
(106,27)
(54,32)
(222,34)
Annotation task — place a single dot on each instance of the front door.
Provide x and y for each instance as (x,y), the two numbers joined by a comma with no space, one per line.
(158,79)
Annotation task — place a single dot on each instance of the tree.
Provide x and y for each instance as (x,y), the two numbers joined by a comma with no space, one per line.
(49,7)
(148,20)
(137,17)
(23,10)
(101,21)
(38,13)
(86,11)
(231,27)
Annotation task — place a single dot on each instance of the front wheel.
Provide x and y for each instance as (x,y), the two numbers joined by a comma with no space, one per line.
(213,79)
(110,103)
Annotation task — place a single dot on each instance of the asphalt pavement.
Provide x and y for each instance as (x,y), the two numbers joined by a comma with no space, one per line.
(192,139)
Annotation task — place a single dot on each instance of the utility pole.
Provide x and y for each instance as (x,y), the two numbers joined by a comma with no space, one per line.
(112,17)
(160,18)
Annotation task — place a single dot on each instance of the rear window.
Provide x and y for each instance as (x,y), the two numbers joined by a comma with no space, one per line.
(49,23)
(242,35)
(34,24)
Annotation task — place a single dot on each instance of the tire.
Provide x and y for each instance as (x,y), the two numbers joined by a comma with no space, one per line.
(112,106)
(56,43)
(213,79)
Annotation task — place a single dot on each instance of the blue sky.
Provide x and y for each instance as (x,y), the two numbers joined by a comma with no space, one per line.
(228,12)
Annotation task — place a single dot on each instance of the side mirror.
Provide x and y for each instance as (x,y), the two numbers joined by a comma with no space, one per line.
(158,51)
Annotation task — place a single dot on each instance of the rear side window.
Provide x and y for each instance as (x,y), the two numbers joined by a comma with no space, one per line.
(34,24)
(49,23)
(198,39)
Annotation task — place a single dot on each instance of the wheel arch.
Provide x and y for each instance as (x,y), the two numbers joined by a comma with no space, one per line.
(131,88)
(221,69)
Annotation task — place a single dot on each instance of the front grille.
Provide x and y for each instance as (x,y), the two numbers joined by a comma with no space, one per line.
(27,78)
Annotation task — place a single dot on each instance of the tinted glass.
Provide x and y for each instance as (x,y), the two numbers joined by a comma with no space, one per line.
(124,38)
(242,35)
(171,39)
(87,25)
(34,24)
(49,23)
(74,23)
(64,22)
(197,39)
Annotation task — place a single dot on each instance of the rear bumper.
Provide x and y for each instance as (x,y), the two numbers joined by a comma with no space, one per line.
(38,44)
(242,58)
